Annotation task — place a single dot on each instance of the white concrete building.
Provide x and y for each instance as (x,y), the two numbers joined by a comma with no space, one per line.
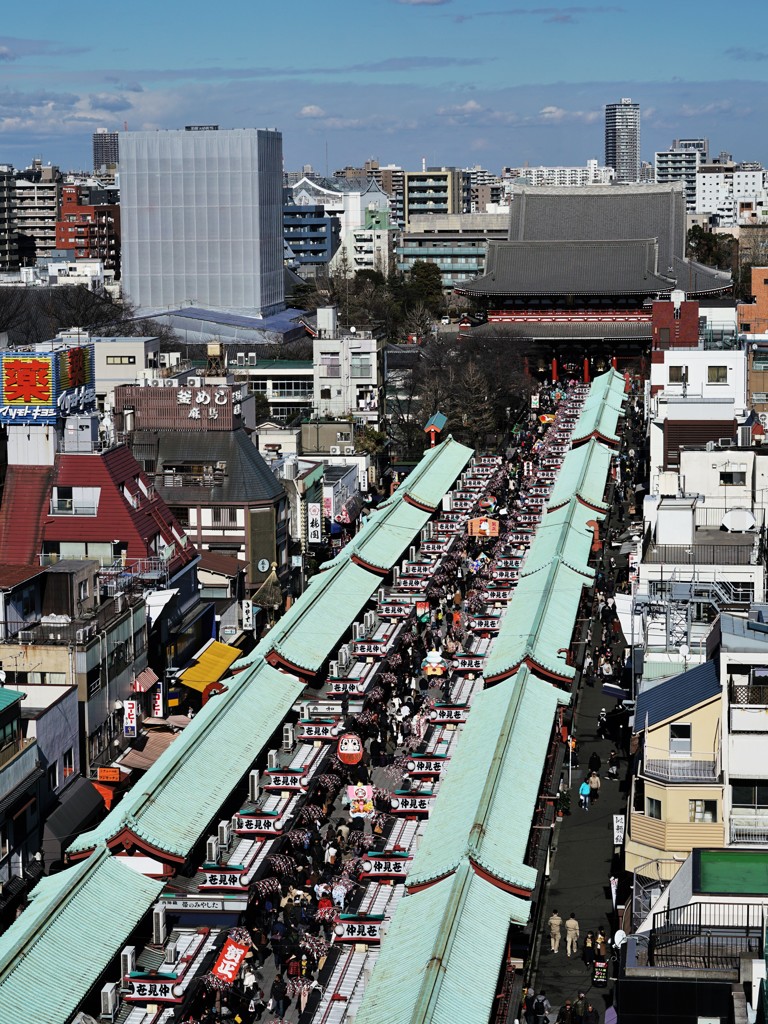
(722,191)
(591,174)
(347,371)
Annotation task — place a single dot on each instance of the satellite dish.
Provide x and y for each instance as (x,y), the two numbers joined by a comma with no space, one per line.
(685,650)
(619,938)
(738,520)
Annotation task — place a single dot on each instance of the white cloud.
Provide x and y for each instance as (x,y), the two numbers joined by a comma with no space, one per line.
(311,111)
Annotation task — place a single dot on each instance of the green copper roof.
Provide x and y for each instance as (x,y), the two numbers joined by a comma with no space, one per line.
(175,802)
(496,766)
(563,533)
(611,382)
(596,420)
(315,624)
(539,622)
(76,923)
(9,697)
(584,472)
(386,534)
(436,472)
(440,961)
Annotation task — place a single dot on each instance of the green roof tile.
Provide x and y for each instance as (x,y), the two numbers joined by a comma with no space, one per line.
(76,923)
(539,622)
(584,472)
(497,764)
(440,961)
(563,533)
(436,472)
(9,696)
(169,807)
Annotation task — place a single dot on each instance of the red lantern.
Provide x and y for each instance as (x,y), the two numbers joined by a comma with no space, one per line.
(349,749)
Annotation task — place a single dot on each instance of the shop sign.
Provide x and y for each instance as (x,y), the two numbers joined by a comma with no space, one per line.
(419,804)
(486,624)
(130,718)
(482,526)
(358,929)
(312,731)
(427,766)
(228,963)
(370,648)
(394,611)
(468,663)
(433,547)
(449,714)
(223,880)
(137,991)
(314,522)
(411,583)
(260,825)
(386,867)
(295,782)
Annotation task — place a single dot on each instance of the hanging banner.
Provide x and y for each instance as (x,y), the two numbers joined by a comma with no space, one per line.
(618,829)
(130,718)
(230,958)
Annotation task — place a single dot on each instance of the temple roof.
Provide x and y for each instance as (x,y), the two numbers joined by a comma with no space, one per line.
(592,240)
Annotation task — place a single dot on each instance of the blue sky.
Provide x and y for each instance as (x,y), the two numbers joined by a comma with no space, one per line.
(459,82)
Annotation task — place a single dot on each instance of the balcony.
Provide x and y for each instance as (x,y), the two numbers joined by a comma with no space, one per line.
(13,750)
(677,767)
(69,507)
(749,827)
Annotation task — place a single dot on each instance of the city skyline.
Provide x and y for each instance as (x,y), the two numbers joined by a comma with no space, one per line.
(448,81)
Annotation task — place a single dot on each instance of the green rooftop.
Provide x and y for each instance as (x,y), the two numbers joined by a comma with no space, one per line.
(730,872)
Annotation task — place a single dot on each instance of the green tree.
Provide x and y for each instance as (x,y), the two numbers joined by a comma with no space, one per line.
(425,286)
(712,249)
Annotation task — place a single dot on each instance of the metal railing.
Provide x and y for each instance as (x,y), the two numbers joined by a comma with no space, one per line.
(693,767)
(698,554)
(706,936)
(755,695)
(68,507)
(749,828)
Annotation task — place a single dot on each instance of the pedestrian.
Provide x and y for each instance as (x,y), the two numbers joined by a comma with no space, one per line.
(613,765)
(594,762)
(589,949)
(528,1001)
(555,931)
(579,1008)
(594,786)
(591,1016)
(584,792)
(541,1007)
(565,1016)
(571,935)
(278,996)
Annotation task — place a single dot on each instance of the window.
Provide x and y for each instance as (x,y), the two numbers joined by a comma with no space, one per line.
(678,374)
(121,360)
(69,762)
(702,810)
(325,393)
(750,794)
(680,739)
(224,515)
(653,808)
(733,478)
(746,328)
(717,375)
(53,776)
(4,844)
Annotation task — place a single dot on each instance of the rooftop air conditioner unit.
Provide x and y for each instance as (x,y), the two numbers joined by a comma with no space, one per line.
(159,930)
(26,636)
(194,382)
(81,635)
(357,630)
(212,850)
(710,446)
(745,437)
(334,449)
(349,449)
(273,761)
(370,620)
(225,834)
(289,737)
(412,553)
(333,669)
(344,656)
(725,442)
(254,785)
(128,961)
(110,1000)
(171,953)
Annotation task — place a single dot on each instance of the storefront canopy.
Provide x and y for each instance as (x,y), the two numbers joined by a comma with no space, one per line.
(209,665)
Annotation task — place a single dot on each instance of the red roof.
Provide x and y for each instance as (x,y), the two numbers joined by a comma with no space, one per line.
(23,513)
(126,512)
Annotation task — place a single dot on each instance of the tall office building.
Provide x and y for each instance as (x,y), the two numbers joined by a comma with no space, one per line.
(106,150)
(9,250)
(202,218)
(622,139)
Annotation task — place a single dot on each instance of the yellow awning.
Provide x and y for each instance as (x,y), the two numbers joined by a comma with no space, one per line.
(209,665)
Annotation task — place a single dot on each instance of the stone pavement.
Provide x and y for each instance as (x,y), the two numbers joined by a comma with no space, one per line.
(582,858)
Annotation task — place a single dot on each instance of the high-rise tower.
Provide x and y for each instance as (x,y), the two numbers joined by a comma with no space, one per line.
(622,139)
(202,218)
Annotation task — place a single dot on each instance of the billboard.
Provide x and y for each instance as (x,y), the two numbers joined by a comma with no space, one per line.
(41,387)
